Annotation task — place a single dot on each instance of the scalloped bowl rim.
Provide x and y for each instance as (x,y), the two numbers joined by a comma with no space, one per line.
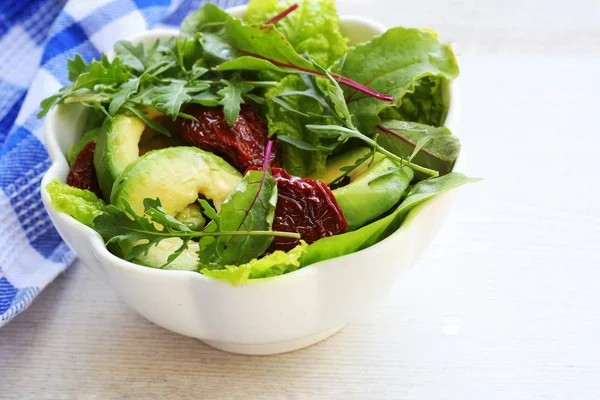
(97,243)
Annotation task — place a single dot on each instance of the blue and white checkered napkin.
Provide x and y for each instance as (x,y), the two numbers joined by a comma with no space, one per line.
(36,39)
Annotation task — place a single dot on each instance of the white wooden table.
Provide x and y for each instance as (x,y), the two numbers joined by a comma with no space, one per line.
(506,303)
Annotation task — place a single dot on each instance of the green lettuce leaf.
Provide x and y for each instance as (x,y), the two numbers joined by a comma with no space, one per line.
(274,264)
(250,207)
(299,160)
(425,105)
(350,242)
(439,153)
(321,38)
(225,38)
(82,205)
(393,63)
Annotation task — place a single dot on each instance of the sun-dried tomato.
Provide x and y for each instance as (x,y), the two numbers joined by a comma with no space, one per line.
(242,144)
(83,174)
(306,206)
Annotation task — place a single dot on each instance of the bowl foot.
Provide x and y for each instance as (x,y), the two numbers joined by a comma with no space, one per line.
(273,348)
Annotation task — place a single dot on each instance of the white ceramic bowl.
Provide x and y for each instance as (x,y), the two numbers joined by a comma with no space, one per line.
(264,316)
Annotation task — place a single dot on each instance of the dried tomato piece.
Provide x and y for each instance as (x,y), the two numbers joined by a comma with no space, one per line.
(306,206)
(83,174)
(242,144)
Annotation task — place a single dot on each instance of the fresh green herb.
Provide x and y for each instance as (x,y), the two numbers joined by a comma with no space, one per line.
(138,233)
(429,146)
(231,98)
(250,207)
(164,76)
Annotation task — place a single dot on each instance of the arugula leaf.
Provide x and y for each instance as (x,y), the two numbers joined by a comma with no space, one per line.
(82,205)
(170,98)
(403,139)
(321,39)
(232,98)
(152,123)
(136,234)
(205,98)
(126,91)
(76,67)
(102,72)
(134,56)
(49,102)
(274,264)
(251,206)
(403,56)
(350,242)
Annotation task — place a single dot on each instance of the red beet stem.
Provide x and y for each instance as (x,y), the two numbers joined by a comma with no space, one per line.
(341,79)
(282,15)
(267,159)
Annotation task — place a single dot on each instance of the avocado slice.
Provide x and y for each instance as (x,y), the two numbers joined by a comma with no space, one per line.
(349,158)
(374,186)
(117,146)
(177,176)
(158,255)
(192,217)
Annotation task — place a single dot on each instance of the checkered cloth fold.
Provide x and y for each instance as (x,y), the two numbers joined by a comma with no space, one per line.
(37,37)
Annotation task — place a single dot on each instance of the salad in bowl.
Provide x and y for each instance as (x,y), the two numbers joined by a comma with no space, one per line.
(251,144)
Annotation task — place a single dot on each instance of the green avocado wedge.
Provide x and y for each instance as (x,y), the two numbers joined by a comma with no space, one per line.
(117,146)
(177,176)
(375,186)
(158,256)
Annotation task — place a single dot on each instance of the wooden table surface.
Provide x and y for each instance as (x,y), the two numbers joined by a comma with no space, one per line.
(504,305)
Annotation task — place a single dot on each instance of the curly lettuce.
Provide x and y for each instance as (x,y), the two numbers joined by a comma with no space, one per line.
(82,205)
(314,28)
(274,264)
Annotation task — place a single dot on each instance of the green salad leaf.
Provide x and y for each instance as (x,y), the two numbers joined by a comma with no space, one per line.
(82,205)
(333,128)
(250,207)
(207,18)
(232,98)
(288,115)
(425,105)
(350,242)
(439,152)
(321,39)
(136,234)
(393,63)
(274,264)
